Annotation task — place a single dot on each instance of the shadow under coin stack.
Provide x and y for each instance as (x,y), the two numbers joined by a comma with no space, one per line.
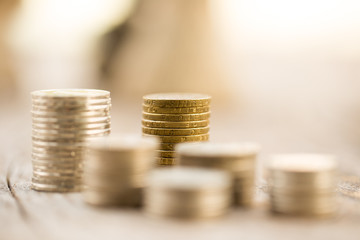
(190,193)
(175,118)
(115,169)
(303,184)
(239,159)
(63,120)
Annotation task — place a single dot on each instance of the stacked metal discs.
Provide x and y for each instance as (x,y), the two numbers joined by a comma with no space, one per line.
(235,158)
(63,120)
(175,118)
(115,169)
(187,193)
(303,184)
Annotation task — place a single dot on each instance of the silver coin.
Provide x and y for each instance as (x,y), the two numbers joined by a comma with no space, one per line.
(72,127)
(70,94)
(69,121)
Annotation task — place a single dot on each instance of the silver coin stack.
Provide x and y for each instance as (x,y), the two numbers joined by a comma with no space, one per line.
(303,184)
(190,193)
(63,120)
(115,169)
(239,159)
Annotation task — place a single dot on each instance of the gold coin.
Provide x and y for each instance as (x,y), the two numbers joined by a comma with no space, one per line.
(176,117)
(175,132)
(166,161)
(163,124)
(177,100)
(166,154)
(151,109)
(167,146)
(181,139)
(70,94)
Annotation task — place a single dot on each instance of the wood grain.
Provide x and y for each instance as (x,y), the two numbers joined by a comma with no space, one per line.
(27,214)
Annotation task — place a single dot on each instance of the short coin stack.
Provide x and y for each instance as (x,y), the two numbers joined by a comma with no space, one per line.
(115,169)
(235,158)
(303,184)
(63,120)
(190,193)
(175,118)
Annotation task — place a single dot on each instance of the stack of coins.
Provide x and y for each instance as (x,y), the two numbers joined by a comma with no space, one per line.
(303,184)
(191,193)
(63,120)
(115,169)
(236,158)
(175,118)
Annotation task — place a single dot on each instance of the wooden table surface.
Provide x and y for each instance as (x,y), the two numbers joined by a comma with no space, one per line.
(27,214)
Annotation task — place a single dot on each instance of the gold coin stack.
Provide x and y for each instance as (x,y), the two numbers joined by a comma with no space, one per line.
(175,118)
(303,184)
(191,193)
(115,169)
(63,120)
(238,159)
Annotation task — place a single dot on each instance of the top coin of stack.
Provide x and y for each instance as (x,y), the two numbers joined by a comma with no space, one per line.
(303,184)
(115,169)
(191,193)
(235,158)
(175,118)
(63,120)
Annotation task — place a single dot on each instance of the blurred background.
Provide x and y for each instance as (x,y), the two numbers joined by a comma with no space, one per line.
(284,73)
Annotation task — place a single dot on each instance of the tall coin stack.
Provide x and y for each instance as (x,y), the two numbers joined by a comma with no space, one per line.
(235,158)
(189,193)
(63,120)
(175,118)
(303,184)
(115,169)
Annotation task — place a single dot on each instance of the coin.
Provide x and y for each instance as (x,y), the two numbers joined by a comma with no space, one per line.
(167,146)
(180,139)
(55,187)
(180,125)
(234,157)
(177,100)
(187,193)
(64,103)
(166,154)
(70,94)
(165,161)
(302,184)
(106,198)
(171,110)
(115,168)
(70,115)
(70,110)
(176,117)
(70,121)
(175,132)
(64,121)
